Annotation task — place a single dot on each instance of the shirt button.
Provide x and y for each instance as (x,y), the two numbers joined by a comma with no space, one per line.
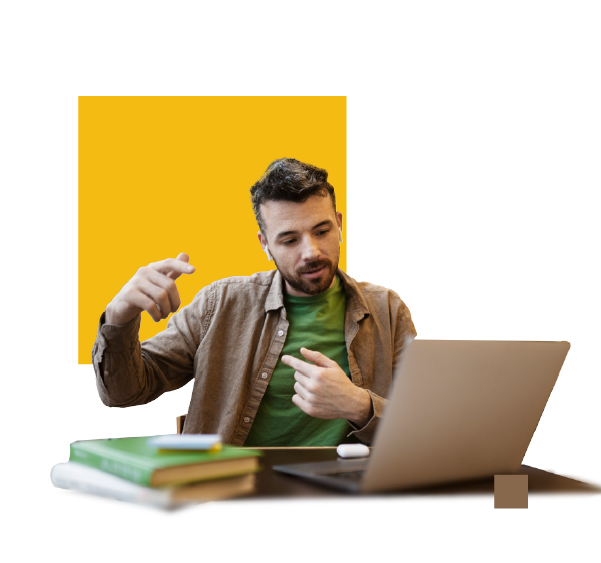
(246,419)
(264,375)
(280,333)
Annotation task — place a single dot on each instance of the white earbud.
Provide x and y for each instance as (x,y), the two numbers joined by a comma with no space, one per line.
(266,249)
(340,235)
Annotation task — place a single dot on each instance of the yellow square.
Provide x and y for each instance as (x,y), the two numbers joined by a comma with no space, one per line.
(164,175)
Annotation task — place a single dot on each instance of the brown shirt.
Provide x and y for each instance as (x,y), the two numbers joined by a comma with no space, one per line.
(229,340)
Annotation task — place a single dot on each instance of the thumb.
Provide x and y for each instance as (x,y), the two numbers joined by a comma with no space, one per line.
(318,358)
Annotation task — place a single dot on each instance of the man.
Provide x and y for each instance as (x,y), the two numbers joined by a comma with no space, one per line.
(300,356)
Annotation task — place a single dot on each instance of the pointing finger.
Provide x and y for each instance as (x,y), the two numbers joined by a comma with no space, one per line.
(318,358)
(173,267)
(183,257)
(300,366)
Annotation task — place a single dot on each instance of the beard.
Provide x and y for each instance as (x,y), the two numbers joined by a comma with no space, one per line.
(314,286)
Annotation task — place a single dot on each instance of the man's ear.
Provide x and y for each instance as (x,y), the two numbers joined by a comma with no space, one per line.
(262,240)
(264,246)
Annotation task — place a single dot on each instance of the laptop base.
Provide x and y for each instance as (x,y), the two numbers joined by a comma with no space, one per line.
(341,474)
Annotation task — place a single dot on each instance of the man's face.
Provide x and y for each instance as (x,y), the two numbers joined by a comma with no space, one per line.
(304,242)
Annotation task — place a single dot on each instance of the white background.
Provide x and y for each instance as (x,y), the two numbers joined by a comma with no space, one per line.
(473,170)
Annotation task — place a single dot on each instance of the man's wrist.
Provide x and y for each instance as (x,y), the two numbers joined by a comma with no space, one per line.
(113,318)
(363,410)
(109,315)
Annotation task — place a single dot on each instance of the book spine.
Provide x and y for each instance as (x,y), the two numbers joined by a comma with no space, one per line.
(67,476)
(113,466)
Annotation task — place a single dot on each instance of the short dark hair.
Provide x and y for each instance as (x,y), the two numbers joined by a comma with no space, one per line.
(290,180)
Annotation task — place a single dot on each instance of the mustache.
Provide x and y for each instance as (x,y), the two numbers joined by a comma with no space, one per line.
(314,266)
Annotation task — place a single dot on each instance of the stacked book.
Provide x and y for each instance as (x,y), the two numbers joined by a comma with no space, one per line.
(163,471)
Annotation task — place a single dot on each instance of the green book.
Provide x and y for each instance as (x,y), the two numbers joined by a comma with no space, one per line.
(135,460)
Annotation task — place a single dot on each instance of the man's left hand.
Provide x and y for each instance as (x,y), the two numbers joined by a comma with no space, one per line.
(323,390)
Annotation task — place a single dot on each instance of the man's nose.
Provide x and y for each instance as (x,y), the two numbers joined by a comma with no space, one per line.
(310,249)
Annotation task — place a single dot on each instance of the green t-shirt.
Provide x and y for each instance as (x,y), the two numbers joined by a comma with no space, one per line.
(316,323)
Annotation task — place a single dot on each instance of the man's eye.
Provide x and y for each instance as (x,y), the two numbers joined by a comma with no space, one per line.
(321,233)
(289,241)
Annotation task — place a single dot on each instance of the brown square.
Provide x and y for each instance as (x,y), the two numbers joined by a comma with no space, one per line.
(511,491)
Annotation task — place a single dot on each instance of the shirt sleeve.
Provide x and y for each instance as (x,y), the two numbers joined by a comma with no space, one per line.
(403,328)
(130,372)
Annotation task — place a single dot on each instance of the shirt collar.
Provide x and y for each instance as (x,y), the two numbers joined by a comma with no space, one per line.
(355,303)
(275,297)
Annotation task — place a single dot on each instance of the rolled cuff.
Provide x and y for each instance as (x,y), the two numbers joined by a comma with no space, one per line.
(366,433)
(115,338)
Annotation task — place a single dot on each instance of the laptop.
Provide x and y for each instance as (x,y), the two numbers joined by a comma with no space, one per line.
(458,410)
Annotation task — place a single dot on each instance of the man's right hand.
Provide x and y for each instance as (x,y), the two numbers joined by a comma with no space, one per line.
(152,289)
